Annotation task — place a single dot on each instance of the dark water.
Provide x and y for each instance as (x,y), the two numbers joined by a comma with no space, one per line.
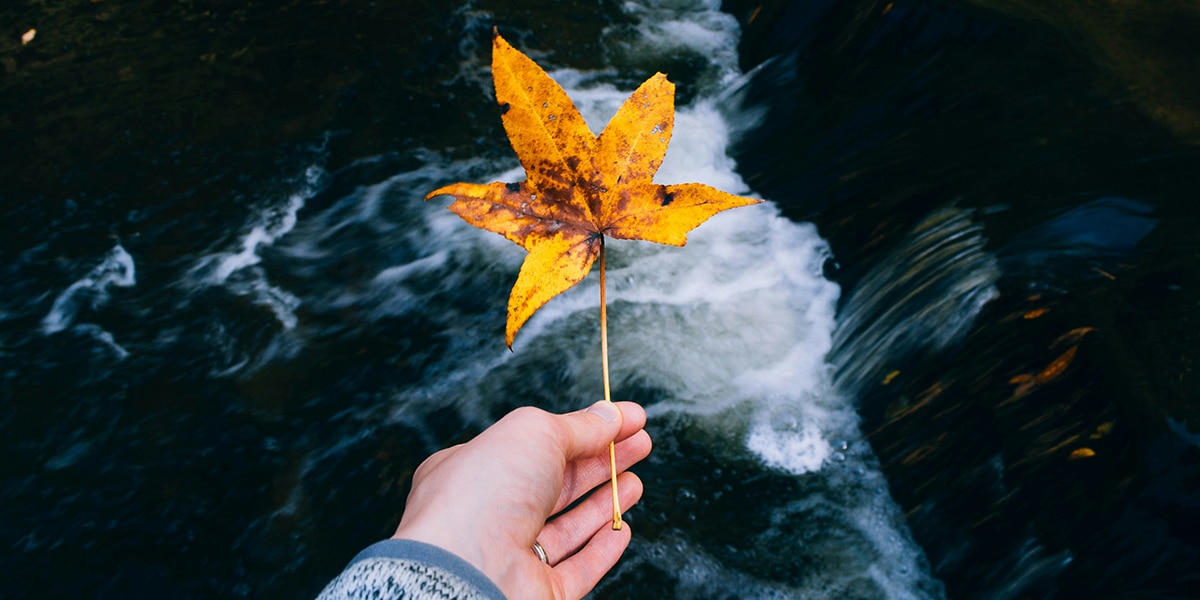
(955,356)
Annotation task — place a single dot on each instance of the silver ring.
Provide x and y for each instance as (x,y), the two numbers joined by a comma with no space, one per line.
(540,552)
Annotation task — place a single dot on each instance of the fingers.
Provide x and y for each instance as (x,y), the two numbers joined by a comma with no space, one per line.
(580,476)
(567,533)
(586,469)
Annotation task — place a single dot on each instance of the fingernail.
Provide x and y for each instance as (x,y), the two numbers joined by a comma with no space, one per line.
(605,410)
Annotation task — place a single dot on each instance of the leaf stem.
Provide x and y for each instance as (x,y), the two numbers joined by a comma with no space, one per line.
(612,451)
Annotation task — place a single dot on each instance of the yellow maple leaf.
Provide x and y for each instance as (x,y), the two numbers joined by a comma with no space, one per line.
(578,187)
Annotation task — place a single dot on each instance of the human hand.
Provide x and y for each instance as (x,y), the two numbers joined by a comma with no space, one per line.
(488,500)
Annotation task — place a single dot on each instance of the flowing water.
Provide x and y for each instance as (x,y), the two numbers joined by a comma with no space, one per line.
(220,373)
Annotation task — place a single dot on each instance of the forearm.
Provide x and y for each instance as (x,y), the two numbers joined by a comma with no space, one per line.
(406,569)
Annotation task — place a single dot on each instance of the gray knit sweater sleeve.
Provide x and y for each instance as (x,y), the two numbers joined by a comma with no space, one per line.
(404,569)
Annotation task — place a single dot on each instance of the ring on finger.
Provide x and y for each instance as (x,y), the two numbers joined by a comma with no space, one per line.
(540,552)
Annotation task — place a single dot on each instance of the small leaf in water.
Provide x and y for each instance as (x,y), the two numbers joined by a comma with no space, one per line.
(1102,430)
(1056,368)
(1079,453)
(1072,337)
(1029,382)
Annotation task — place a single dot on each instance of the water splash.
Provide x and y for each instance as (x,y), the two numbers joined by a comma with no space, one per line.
(273,223)
(92,291)
(239,272)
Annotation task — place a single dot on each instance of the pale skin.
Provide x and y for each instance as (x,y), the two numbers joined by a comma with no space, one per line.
(489,499)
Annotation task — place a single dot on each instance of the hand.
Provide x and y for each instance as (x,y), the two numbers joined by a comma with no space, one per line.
(489,499)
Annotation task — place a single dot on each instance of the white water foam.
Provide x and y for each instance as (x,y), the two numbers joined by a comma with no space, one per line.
(273,223)
(92,291)
(116,270)
(665,28)
(238,271)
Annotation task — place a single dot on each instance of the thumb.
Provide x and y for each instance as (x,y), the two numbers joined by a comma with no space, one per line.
(590,431)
